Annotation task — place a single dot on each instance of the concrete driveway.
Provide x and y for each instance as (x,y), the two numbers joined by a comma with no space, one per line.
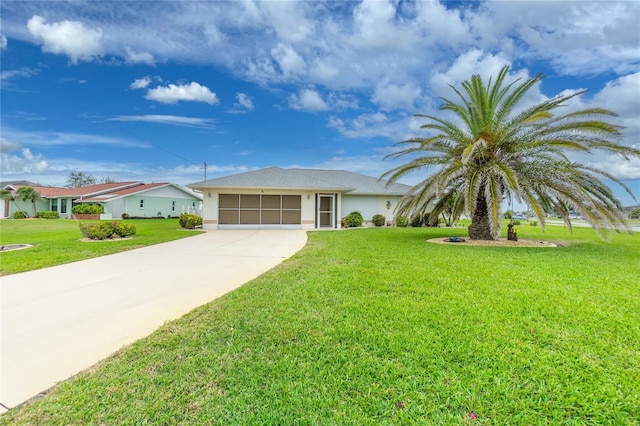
(61,320)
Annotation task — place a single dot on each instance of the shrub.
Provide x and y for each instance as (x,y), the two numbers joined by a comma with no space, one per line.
(378,220)
(516,222)
(20,215)
(417,221)
(634,214)
(48,215)
(353,220)
(88,209)
(402,221)
(189,221)
(534,223)
(125,215)
(105,230)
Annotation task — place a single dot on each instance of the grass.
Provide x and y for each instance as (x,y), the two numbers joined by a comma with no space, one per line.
(58,241)
(377,327)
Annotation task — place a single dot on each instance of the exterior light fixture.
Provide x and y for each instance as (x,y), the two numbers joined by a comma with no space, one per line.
(388,204)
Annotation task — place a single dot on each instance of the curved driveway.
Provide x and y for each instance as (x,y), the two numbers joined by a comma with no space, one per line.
(61,320)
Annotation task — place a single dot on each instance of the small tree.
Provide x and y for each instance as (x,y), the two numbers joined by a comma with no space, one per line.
(28,193)
(8,196)
(78,179)
(634,214)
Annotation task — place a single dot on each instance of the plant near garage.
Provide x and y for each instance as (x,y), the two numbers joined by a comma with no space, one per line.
(189,221)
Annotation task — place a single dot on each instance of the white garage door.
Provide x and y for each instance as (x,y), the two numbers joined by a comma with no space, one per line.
(259,209)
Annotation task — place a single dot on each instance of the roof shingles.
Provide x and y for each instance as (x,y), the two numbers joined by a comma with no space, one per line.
(313,179)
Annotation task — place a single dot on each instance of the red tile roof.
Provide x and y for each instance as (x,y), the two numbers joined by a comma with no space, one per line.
(83,191)
(123,192)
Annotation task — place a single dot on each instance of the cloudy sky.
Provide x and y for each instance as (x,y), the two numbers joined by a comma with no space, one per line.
(154,90)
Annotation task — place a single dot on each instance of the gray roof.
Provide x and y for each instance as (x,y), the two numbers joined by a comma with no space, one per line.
(306,179)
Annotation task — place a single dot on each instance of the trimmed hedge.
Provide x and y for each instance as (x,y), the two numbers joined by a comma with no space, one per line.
(378,220)
(402,222)
(88,209)
(106,230)
(353,220)
(20,215)
(189,221)
(48,215)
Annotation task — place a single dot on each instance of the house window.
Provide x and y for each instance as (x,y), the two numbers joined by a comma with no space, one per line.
(142,204)
(63,205)
(54,205)
(173,206)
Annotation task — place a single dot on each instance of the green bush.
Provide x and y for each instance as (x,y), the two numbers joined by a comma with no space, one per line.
(106,230)
(516,222)
(634,214)
(534,223)
(417,221)
(402,221)
(378,220)
(189,221)
(88,209)
(20,215)
(125,215)
(353,220)
(48,215)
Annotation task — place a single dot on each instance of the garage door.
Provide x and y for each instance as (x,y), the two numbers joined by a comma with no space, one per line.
(259,209)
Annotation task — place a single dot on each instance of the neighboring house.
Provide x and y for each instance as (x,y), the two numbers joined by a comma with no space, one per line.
(137,199)
(294,198)
(148,200)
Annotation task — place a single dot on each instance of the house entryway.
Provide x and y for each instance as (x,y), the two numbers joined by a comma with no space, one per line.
(326,211)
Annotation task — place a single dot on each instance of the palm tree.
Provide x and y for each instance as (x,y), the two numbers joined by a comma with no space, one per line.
(28,193)
(502,151)
(8,196)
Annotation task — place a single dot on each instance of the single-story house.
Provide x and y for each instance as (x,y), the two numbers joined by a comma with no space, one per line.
(136,199)
(294,198)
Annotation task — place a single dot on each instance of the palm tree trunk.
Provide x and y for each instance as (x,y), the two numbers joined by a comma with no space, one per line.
(480,228)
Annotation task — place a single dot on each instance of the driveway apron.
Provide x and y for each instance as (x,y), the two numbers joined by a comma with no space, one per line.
(61,320)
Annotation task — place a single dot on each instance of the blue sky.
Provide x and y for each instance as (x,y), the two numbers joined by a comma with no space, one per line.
(152,90)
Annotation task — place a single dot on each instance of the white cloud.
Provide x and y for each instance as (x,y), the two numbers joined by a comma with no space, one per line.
(8,146)
(3,42)
(9,74)
(175,120)
(290,62)
(391,96)
(47,138)
(25,162)
(307,100)
(138,58)
(244,102)
(140,83)
(70,38)
(192,92)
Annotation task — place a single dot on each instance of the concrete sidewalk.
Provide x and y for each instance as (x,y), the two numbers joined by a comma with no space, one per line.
(61,320)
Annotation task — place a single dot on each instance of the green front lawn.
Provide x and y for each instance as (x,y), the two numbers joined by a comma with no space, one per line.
(376,326)
(57,241)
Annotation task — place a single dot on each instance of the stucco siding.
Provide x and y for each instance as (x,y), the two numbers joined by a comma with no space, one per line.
(369,205)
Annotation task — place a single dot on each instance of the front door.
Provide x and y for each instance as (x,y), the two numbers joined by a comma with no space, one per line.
(326,211)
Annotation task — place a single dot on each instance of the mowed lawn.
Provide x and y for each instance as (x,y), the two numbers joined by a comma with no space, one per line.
(57,241)
(379,327)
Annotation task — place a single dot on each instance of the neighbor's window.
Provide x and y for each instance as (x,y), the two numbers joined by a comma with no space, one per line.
(54,205)
(142,204)
(63,205)
(173,206)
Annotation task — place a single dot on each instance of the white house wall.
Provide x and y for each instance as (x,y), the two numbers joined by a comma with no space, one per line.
(369,205)
(116,207)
